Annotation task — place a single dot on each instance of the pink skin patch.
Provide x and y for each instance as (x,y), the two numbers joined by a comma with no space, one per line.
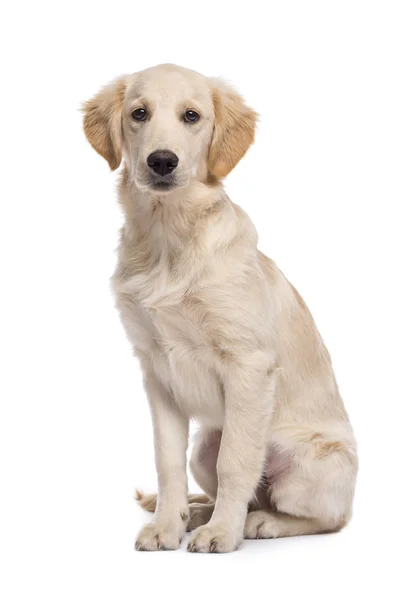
(278,462)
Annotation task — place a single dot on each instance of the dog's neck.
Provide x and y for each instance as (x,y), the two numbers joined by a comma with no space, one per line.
(182,230)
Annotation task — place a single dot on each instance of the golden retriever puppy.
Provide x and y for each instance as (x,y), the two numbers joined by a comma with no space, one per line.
(221,335)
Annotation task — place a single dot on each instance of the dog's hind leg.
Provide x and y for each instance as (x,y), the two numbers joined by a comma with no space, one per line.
(263,524)
(311,479)
(204,458)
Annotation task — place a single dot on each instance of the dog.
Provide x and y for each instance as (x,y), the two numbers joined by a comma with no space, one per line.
(221,335)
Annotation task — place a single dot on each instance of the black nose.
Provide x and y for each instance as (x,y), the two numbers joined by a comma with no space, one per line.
(162,162)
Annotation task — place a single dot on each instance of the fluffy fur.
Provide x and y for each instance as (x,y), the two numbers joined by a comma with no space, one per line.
(221,335)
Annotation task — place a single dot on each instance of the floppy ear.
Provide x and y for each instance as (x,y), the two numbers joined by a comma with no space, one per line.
(102,122)
(234,129)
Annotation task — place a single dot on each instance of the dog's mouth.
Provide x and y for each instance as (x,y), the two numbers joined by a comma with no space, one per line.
(168,183)
(162,186)
(159,184)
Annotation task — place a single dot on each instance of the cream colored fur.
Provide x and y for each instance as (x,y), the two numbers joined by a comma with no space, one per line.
(221,335)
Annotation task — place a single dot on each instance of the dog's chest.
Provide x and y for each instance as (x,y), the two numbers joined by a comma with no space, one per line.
(162,322)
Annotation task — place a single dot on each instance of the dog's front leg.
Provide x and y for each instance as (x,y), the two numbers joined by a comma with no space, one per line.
(170,431)
(248,396)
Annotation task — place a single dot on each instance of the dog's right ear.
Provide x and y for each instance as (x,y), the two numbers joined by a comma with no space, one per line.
(102,122)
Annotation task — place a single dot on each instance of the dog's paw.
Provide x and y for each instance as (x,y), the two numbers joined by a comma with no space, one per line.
(199,514)
(213,538)
(258,525)
(159,536)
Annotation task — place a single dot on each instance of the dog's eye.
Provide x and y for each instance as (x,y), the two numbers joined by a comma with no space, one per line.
(139,114)
(191,116)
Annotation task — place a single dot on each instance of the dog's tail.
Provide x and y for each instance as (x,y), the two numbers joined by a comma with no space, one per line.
(148,501)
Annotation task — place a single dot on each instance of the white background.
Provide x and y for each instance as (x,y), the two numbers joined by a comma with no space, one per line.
(330,185)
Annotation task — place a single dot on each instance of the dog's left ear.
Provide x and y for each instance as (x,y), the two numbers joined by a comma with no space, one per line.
(234,129)
(102,122)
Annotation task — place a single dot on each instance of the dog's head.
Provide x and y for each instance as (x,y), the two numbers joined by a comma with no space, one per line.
(171,125)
